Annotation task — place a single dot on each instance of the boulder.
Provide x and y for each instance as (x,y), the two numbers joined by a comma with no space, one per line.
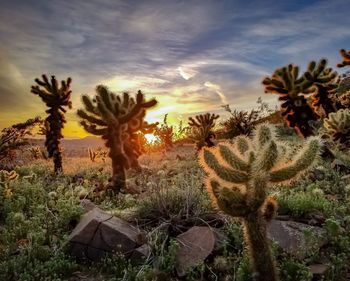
(318,270)
(99,233)
(140,254)
(297,239)
(196,245)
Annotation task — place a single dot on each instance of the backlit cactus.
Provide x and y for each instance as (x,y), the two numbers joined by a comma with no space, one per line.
(289,86)
(5,179)
(202,129)
(324,85)
(239,176)
(165,133)
(346,58)
(337,126)
(55,98)
(115,118)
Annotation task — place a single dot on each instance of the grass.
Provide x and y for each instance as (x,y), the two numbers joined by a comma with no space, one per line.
(42,210)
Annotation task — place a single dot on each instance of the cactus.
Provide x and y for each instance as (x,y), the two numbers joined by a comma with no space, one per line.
(201,129)
(289,86)
(324,86)
(337,126)
(238,178)
(5,179)
(56,99)
(346,58)
(115,118)
(92,154)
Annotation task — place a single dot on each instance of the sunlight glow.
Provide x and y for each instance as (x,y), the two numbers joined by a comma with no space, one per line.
(151,138)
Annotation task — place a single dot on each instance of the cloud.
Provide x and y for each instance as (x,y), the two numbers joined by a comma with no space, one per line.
(217,89)
(186,72)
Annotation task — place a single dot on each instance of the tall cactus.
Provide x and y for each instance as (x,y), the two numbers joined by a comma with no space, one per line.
(115,118)
(337,126)
(289,86)
(56,99)
(238,178)
(346,58)
(202,129)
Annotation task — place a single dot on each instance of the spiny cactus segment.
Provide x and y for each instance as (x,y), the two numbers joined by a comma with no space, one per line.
(116,118)
(202,129)
(346,58)
(337,126)
(238,178)
(55,98)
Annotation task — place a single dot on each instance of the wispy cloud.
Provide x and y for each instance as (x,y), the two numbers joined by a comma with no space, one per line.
(194,55)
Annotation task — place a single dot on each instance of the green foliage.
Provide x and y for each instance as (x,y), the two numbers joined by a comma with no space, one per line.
(202,129)
(291,270)
(238,177)
(55,99)
(117,119)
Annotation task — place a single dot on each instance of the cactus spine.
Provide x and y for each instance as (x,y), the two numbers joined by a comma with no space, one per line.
(56,99)
(238,178)
(115,118)
(337,126)
(202,129)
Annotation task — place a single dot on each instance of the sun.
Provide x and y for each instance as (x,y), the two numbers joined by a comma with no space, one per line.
(151,138)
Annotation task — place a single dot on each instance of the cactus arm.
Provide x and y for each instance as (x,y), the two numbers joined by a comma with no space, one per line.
(346,58)
(82,114)
(211,165)
(232,159)
(306,159)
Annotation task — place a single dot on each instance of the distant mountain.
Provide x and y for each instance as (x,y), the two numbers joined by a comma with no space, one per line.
(67,143)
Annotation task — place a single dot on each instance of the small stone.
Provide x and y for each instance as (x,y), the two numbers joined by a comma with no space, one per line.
(318,269)
(140,254)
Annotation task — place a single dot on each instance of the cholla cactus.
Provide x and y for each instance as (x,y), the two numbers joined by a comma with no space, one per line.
(238,178)
(115,118)
(92,154)
(56,99)
(165,133)
(337,126)
(202,129)
(346,58)
(5,179)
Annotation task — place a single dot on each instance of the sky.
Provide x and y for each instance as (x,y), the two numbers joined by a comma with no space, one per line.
(192,56)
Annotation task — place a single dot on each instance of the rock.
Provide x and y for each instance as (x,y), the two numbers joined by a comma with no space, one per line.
(315,218)
(196,245)
(87,205)
(291,237)
(318,270)
(140,254)
(99,233)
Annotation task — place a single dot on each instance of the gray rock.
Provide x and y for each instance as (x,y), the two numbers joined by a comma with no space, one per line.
(318,270)
(140,254)
(297,239)
(99,233)
(87,205)
(196,245)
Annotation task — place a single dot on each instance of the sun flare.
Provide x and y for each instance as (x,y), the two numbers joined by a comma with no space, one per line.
(151,138)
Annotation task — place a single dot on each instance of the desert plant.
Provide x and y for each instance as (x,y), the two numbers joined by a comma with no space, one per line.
(290,87)
(113,117)
(55,99)
(92,154)
(240,122)
(13,137)
(165,133)
(337,127)
(346,58)
(202,126)
(238,178)
(324,87)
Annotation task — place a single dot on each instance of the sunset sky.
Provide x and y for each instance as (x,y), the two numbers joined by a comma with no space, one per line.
(193,56)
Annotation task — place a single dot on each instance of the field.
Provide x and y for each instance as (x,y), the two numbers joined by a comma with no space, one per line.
(165,199)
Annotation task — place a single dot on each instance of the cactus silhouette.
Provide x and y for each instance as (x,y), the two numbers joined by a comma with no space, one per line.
(324,86)
(201,129)
(56,99)
(238,178)
(346,58)
(165,133)
(115,118)
(337,126)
